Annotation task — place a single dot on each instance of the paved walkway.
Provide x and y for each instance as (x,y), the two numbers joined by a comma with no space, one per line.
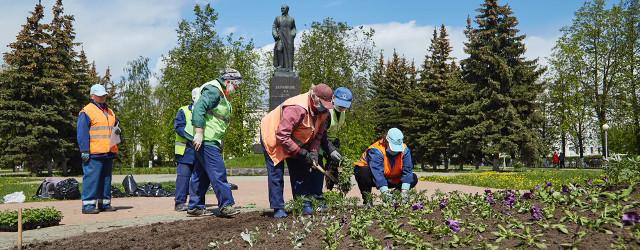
(251,195)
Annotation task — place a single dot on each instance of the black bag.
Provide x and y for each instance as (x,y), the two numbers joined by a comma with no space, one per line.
(130,185)
(46,188)
(68,189)
(116,193)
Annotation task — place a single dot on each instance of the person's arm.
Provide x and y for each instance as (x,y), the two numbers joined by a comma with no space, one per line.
(82,132)
(293,28)
(208,100)
(376,164)
(407,170)
(179,124)
(322,132)
(326,144)
(289,120)
(274,30)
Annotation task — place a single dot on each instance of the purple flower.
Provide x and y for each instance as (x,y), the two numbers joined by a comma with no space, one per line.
(443,203)
(536,213)
(606,179)
(509,198)
(487,191)
(396,205)
(527,196)
(549,184)
(590,182)
(388,247)
(630,218)
(343,220)
(565,189)
(417,206)
(489,199)
(453,225)
(537,187)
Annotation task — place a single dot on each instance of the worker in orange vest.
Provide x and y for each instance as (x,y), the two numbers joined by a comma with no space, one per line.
(385,164)
(292,132)
(96,124)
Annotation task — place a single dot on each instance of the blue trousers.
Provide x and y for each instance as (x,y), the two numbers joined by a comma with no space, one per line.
(183,178)
(303,182)
(209,169)
(96,183)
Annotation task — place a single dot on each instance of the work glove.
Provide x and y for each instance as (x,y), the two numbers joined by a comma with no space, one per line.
(198,138)
(309,156)
(404,194)
(386,194)
(85,156)
(335,155)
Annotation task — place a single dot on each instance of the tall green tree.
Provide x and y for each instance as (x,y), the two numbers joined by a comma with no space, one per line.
(506,85)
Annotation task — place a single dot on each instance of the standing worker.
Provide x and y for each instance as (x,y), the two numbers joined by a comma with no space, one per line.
(184,152)
(292,132)
(211,116)
(96,124)
(385,164)
(342,98)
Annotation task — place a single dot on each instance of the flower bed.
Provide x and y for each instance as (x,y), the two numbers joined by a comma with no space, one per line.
(32,218)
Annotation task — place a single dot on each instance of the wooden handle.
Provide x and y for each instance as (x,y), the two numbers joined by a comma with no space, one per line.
(19,228)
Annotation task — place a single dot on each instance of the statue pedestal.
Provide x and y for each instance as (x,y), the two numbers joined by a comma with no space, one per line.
(284,84)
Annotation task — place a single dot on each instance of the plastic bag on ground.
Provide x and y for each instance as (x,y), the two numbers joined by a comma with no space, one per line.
(16,197)
(130,185)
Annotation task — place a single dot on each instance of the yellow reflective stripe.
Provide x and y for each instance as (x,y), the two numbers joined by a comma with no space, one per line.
(99,136)
(182,144)
(101,128)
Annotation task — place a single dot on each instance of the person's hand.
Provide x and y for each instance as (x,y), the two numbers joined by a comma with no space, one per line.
(335,155)
(198,138)
(85,156)
(117,130)
(309,156)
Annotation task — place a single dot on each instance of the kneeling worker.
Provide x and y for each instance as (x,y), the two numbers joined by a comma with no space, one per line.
(385,164)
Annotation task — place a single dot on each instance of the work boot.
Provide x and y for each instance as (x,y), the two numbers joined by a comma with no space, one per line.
(90,209)
(307,209)
(107,208)
(279,213)
(196,211)
(181,207)
(233,186)
(229,211)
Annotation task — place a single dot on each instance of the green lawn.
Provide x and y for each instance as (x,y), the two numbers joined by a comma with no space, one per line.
(520,180)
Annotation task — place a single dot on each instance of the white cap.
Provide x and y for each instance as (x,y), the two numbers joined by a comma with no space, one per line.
(98,90)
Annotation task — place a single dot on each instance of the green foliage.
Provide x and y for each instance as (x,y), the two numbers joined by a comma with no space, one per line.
(31,218)
(198,58)
(626,169)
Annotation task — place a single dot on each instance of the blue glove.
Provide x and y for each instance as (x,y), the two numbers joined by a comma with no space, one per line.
(85,156)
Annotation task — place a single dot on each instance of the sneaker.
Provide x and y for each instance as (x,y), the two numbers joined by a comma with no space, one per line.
(181,207)
(107,208)
(92,211)
(233,186)
(307,209)
(279,213)
(229,211)
(196,211)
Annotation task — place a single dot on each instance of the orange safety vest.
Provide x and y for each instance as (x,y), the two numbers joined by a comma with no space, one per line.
(102,123)
(302,133)
(392,173)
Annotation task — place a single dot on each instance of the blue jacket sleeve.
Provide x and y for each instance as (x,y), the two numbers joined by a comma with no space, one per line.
(376,164)
(208,100)
(82,132)
(407,167)
(180,123)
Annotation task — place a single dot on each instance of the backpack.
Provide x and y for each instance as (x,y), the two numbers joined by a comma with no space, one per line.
(68,189)
(46,188)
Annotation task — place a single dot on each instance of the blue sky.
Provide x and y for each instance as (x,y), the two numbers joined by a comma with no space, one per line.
(116,31)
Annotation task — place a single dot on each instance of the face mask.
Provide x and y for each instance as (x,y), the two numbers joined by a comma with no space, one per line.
(230,86)
(318,104)
(392,153)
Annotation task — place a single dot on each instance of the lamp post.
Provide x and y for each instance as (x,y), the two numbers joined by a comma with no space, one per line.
(605,127)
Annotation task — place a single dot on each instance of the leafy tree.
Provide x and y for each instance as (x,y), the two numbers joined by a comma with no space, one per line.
(506,86)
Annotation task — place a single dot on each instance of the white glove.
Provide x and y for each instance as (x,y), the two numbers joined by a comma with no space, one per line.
(335,155)
(198,138)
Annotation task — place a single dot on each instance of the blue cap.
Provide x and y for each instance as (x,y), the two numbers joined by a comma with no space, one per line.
(343,97)
(394,138)
(98,90)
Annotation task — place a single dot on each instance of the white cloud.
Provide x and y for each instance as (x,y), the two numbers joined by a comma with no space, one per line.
(539,47)
(229,30)
(111,32)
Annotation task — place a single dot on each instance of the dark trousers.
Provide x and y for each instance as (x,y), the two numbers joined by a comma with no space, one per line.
(365,181)
(209,169)
(183,180)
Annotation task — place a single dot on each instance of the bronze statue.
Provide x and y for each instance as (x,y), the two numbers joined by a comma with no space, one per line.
(284,32)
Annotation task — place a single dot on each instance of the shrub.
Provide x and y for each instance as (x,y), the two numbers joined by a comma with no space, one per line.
(624,169)
(31,218)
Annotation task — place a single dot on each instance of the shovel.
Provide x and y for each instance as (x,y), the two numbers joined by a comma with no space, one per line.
(319,168)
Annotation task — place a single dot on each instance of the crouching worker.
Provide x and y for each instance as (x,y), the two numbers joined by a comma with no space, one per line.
(385,164)
(184,152)
(211,115)
(293,132)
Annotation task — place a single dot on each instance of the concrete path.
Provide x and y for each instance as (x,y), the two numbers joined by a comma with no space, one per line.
(251,195)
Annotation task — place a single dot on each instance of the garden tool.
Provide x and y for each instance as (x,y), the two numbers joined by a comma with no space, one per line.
(319,168)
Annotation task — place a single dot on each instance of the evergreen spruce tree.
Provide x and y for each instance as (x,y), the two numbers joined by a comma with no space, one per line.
(505,85)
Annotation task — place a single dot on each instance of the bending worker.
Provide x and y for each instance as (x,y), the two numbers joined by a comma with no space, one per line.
(293,132)
(342,98)
(184,152)
(211,115)
(96,123)
(385,164)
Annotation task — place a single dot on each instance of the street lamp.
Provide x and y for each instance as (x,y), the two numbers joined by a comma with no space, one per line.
(605,127)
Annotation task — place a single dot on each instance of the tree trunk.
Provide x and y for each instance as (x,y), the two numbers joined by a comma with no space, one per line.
(563,153)
(50,168)
(446,161)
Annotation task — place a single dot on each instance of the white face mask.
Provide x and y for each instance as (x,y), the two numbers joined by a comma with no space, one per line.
(231,85)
